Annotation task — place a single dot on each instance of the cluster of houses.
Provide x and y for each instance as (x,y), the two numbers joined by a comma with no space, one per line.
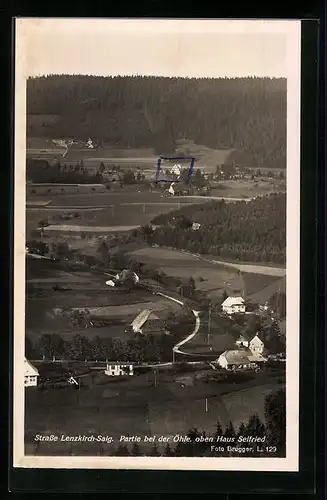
(249,348)
(248,354)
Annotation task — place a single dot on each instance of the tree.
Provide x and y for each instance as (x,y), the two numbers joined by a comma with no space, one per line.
(230,431)
(37,247)
(99,349)
(122,451)
(101,168)
(50,346)
(278,303)
(198,179)
(225,230)
(225,295)
(128,177)
(219,430)
(81,348)
(191,287)
(62,249)
(154,451)
(275,416)
(168,452)
(135,451)
(103,251)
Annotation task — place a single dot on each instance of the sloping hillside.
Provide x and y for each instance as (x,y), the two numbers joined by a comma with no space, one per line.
(246,114)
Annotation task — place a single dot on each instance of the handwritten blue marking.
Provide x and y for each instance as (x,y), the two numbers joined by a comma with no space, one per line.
(176,158)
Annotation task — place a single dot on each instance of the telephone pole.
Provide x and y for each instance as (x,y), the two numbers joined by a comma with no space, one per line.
(209,323)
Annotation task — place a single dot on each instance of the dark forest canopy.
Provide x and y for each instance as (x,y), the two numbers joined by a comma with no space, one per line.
(254,231)
(247,114)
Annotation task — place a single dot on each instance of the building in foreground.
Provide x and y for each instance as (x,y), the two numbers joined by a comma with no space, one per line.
(31,374)
(239,359)
(233,305)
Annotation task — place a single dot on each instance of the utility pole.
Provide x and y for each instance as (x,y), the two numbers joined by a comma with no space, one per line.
(209,323)
(206,404)
(173,356)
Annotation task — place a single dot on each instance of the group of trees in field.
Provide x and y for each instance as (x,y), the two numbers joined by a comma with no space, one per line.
(247,114)
(138,348)
(245,231)
(41,171)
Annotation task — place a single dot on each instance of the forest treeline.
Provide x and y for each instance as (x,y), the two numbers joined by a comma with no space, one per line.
(247,114)
(252,231)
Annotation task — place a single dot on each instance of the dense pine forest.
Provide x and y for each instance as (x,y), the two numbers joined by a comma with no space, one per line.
(253,231)
(246,114)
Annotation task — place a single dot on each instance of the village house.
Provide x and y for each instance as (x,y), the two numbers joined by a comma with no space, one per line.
(239,359)
(148,321)
(252,342)
(30,374)
(233,305)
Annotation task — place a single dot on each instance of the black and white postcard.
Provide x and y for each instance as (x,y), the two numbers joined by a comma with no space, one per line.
(156,256)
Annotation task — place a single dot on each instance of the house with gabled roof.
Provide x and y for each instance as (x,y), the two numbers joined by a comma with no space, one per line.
(30,374)
(233,305)
(250,341)
(238,359)
(149,321)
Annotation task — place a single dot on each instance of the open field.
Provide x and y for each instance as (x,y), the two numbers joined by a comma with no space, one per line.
(244,188)
(113,408)
(216,275)
(215,278)
(265,293)
(47,310)
(257,283)
(120,208)
(129,194)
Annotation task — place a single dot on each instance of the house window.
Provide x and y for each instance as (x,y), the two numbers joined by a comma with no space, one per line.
(62,190)
(49,190)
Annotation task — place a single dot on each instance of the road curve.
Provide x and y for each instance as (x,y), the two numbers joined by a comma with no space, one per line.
(176,348)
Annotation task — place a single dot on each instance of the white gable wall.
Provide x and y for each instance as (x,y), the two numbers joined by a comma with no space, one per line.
(256,345)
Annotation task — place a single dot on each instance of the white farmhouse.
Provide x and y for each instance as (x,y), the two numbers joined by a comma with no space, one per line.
(252,342)
(239,359)
(30,374)
(233,305)
(234,359)
(256,345)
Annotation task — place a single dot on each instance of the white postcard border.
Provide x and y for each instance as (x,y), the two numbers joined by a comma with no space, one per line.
(292,31)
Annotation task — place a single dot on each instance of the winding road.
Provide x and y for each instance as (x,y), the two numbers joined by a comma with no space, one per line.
(176,348)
